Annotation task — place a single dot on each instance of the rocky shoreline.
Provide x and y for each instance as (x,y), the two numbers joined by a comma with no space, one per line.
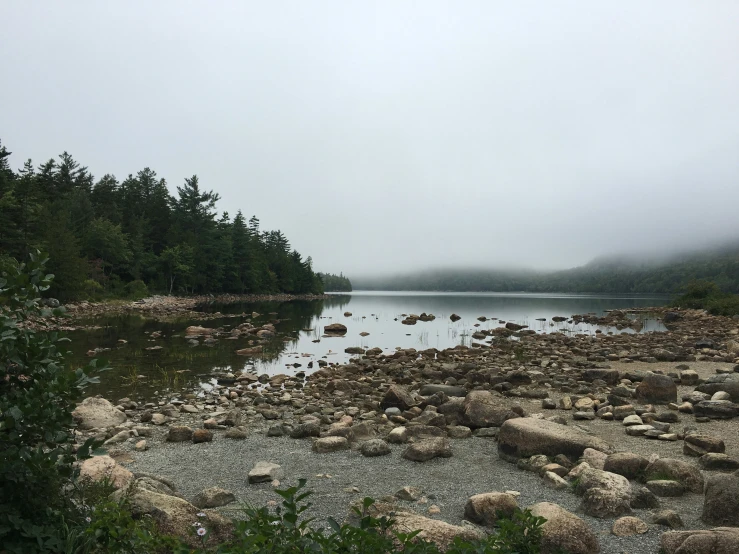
(622,441)
(154,307)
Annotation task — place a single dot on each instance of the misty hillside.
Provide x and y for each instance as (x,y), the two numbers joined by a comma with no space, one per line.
(612,274)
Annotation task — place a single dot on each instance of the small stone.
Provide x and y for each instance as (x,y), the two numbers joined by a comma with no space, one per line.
(264,472)
(375,447)
(141,446)
(668,518)
(213,497)
(202,435)
(666,488)
(409,494)
(326,445)
(554,481)
(236,433)
(179,433)
(629,526)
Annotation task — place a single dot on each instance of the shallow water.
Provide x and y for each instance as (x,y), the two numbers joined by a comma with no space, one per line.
(144,374)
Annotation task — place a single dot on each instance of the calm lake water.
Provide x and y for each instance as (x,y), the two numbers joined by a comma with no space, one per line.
(143,374)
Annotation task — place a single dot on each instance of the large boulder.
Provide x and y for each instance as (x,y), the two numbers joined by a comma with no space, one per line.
(482,409)
(173,515)
(721,504)
(524,437)
(604,494)
(96,413)
(564,531)
(397,397)
(99,468)
(439,532)
(727,382)
(488,507)
(656,389)
(721,540)
(628,464)
(716,409)
(675,470)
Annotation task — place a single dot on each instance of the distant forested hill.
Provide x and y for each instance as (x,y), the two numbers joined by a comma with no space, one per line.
(621,274)
(107,237)
(335,283)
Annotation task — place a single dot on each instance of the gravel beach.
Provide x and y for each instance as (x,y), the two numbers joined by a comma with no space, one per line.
(448,483)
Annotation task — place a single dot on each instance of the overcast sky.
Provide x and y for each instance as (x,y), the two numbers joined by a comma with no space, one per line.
(388,136)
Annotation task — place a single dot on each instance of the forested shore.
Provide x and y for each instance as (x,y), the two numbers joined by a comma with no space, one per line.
(126,238)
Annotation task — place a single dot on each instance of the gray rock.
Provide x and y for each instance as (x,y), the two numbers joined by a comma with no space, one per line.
(656,389)
(428,449)
(326,445)
(721,503)
(722,540)
(666,488)
(213,497)
(487,508)
(179,433)
(676,470)
(265,472)
(97,413)
(524,437)
(375,447)
(563,531)
(449,390)
(604,494)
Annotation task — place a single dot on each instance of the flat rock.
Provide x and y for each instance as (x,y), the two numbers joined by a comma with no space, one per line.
(525,437)
(265,472)
(428,449)
(213,497)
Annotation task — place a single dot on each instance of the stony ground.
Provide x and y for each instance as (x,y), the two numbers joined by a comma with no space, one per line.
(214,441)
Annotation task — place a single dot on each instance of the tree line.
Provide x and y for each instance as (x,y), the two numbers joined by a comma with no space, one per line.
(606,275)
(107,237)
(335,283)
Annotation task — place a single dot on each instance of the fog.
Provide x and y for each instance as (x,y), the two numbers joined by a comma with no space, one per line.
(387,136)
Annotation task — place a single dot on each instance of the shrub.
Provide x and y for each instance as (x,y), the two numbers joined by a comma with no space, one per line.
(37,395)
(92,290)
(136,290)
(706,295)
(286,532)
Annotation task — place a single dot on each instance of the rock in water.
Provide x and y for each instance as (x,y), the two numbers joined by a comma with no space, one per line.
(526,437)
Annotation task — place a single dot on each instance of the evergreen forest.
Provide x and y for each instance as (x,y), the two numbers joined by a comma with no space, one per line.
(125,238)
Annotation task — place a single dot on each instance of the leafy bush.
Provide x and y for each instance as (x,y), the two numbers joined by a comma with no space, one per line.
(93,290)
(136,290)
(37,396)
(706,295)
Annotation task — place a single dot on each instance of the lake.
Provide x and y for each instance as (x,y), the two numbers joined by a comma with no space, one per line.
(143,374)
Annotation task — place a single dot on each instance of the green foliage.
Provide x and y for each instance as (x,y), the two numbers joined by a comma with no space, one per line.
(118,232)
(287,531)
(699,294)
(335,283)
(37,395)
(136,290)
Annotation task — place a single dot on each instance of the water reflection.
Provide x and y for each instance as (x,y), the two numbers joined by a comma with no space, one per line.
(139,372)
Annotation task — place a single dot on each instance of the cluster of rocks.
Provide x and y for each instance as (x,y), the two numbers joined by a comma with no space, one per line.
(421,401)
